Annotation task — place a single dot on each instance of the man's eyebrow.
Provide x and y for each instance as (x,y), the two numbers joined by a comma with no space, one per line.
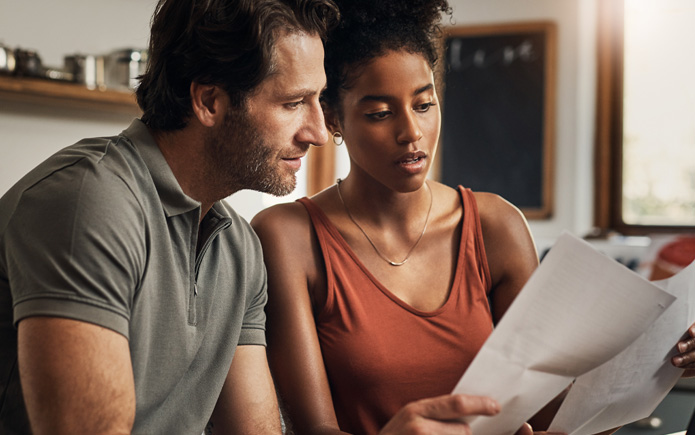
(301,93)
(418,91)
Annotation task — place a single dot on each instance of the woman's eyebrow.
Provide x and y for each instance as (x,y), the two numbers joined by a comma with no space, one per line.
(384,98)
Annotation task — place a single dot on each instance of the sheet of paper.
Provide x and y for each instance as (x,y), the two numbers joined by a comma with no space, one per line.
(579,309)
(631,385)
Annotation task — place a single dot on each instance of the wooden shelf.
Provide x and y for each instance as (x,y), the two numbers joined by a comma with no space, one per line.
(65,94)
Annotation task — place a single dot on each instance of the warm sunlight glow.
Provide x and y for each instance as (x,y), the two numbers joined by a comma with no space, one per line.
(659,113)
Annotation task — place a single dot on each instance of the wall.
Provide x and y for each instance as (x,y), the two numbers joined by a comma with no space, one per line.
(30,133)
(575,92)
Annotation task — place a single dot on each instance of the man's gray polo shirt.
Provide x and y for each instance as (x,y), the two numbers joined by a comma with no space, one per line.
(102,232)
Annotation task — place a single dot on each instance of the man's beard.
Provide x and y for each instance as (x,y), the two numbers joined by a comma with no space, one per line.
(241,159)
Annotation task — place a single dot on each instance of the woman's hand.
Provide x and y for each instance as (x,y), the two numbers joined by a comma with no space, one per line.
(686,356)
(439,415)
(526,429)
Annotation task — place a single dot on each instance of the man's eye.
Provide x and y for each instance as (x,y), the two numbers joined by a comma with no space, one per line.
(294,104)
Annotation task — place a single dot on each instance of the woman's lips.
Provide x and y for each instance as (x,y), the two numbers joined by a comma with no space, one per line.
(413,163)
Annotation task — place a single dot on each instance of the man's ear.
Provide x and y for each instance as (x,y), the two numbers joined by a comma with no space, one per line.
(208,103)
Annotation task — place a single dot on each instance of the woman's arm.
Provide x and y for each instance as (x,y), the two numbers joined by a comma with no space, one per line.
(511,253)
(512,258)
(293,262)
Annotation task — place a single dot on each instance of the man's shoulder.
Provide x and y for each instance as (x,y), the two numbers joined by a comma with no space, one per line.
(109,165)
(114,154)
(101,170)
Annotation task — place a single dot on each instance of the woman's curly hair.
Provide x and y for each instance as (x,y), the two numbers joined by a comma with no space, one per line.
(370,28)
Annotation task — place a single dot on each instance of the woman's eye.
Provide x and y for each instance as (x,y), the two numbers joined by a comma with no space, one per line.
(424,107)
(379,115)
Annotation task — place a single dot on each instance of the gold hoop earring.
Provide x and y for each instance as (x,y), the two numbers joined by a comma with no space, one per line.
(338,138)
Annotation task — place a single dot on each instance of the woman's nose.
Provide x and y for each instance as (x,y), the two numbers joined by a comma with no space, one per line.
(410,131)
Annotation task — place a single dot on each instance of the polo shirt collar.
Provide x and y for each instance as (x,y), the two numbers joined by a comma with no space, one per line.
(174,200)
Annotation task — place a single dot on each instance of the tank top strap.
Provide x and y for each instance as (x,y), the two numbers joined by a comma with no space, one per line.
(317,216)
(329,238)
(472,227)
(324,228)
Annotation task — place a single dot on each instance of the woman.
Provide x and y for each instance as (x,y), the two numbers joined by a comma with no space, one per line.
(379,285)
(383,287)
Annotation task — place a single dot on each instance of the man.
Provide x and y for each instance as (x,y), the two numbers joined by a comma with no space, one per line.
(137,296)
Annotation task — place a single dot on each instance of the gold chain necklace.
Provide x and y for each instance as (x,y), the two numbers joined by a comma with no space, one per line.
(407,257)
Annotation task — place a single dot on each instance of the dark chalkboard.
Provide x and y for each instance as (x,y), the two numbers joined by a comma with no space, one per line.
(498,104)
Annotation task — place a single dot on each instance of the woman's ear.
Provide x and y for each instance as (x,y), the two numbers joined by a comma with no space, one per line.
(208,103)
(331,118)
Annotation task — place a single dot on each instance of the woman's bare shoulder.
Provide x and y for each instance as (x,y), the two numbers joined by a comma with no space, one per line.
(504,226)
(291,213)
(496,211)
(448,200)
(283,226)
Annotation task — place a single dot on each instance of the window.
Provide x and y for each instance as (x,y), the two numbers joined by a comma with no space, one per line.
(646,116)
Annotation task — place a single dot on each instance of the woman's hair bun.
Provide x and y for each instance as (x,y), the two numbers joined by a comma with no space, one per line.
(419,13)
(370,28)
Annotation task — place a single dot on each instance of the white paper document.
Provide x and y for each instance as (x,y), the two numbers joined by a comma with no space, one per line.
(631,385)
(579,309)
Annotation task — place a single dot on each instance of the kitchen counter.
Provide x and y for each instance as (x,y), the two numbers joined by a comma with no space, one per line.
(672,414)
(686,384)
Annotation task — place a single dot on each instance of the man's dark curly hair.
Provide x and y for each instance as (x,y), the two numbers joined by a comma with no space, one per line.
(229,43)
(370,28)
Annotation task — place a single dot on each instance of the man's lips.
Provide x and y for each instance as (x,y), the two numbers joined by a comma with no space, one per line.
(294,162)
(292,158)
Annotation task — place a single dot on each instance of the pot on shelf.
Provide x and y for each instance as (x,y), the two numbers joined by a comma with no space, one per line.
(7,60)
(123,67)
(86,69)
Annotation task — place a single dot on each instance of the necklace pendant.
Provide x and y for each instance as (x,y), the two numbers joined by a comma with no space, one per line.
(393,263)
